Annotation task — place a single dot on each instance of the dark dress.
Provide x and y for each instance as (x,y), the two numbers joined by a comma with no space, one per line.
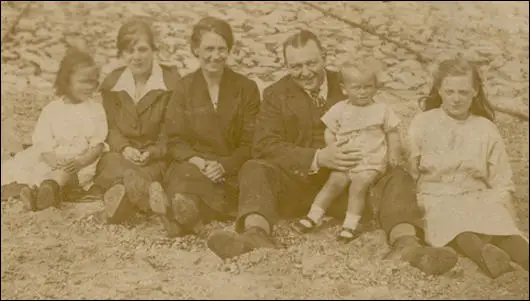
(138,125)
(195,128)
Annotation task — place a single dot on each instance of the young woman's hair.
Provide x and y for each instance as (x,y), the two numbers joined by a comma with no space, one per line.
(72,61)
(211,24)
(131,32)
(480,105)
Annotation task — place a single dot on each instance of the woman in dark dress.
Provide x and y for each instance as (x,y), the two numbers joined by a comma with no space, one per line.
(135,98)
(210,124)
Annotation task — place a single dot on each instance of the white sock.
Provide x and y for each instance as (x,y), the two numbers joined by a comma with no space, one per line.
(316,213)
(351,221)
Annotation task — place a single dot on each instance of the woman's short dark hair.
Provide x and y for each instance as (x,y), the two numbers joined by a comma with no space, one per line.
(480,105)
(131,31)
(72,61)
(211,24)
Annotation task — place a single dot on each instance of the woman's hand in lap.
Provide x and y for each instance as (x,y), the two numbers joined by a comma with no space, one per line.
(214,171)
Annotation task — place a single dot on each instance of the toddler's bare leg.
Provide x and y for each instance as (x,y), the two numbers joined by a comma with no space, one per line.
(360,182)
(334,186)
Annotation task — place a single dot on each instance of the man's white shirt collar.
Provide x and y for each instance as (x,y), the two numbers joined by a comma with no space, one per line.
(323,92)
(155,82)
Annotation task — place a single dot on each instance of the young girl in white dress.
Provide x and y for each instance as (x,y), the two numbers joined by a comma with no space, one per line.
(464,178)
(370,126)
(68,138)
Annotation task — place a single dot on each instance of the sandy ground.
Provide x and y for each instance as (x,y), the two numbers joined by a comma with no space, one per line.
(68,253)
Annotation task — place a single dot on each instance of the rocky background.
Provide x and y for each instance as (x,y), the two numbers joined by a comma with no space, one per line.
(68,253)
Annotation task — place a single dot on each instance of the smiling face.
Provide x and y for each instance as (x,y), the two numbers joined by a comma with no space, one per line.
(139,56)
(83,83)
(457,94)
(358,86)
(306,65)
(212,52)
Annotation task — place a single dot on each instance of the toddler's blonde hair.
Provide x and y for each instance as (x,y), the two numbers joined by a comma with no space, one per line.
(370,67)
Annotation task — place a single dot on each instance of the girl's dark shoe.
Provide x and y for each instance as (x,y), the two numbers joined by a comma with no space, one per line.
(116,204)
(29,198)
(48,195)
(160,205)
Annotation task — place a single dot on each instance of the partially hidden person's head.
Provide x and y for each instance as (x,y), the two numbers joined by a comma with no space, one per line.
(359,80)
(304,58)
(458,90)
(211,42)
(136,46)
(78,75)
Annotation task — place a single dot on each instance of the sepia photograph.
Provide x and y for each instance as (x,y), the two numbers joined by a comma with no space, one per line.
(264,150)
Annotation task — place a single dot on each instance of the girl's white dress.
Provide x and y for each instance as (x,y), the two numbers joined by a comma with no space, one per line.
(66,129)
(465,179)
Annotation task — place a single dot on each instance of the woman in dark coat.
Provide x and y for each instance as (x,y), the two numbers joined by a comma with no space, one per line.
(135,99)
(210,125)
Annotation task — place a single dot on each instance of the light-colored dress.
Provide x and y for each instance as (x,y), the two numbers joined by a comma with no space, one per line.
(465,180)
(364,127)
(66,129)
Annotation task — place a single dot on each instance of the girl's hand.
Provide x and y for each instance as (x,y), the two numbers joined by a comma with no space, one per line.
(132,154)
(51,159)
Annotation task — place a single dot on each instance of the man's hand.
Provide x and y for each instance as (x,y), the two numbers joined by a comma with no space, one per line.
(339,156)
(214,171)
(72,166)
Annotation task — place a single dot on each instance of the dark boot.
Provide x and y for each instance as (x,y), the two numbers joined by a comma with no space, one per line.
(185,210)
(492,260)
(137,187)
(228,244)
(160,205)
(516,247)
(117,206)
(430,260)
(48,195)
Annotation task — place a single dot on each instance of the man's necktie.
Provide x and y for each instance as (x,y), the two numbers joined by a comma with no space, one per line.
(319,101)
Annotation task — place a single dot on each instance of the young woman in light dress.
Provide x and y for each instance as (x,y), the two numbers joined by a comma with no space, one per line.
(68,138)
(464,178)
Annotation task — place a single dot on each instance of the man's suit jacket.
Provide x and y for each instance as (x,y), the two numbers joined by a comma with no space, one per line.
(284,127)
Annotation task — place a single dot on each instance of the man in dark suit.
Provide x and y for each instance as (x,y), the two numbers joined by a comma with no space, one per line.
(292,162)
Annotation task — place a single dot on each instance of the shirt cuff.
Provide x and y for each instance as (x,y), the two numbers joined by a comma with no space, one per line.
(314,165)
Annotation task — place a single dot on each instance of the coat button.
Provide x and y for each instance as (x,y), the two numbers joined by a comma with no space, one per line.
(134,125)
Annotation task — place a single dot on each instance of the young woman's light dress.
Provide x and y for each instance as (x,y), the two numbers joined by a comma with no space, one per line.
(66,129)
(464,176)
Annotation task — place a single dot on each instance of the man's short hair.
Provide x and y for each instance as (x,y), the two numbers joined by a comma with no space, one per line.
(300,39)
